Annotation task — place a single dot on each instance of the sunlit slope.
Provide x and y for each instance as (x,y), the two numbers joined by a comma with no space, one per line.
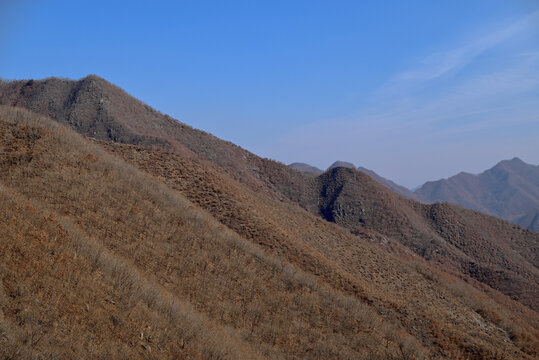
(309,289)
(249,296)
(344,261)
(468,243)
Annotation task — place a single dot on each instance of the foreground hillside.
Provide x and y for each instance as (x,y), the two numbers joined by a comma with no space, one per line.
(116,263)
(382,270)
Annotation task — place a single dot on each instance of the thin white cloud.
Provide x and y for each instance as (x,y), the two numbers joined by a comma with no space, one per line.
(475,98)
(440,63)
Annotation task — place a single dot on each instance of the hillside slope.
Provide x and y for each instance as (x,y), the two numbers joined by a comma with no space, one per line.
(64,291)
(98,109)
(157,232)
(93,103)
(509,190)
(347,299)
(287,231)
(494,252)
(367,206)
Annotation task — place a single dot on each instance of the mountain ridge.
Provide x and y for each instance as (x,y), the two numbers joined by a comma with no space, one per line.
(306,168)
(399,189)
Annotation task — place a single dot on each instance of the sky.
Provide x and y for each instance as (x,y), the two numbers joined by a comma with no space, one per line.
(414,90)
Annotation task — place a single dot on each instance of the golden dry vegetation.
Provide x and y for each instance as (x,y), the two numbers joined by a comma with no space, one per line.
(290,285)
(494,252)
(153,247)
(285,229)
(141,252)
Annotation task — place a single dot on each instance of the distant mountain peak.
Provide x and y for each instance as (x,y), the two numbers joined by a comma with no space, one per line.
(513,161)
(339,163)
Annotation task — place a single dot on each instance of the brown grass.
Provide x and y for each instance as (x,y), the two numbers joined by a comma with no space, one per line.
(268,280)
(464,241)
(239,209)
(65,295)
(252,295)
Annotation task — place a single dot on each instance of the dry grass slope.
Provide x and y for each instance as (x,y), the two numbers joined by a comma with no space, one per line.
(267,279)
(142,227)
(98,109)
(342,260)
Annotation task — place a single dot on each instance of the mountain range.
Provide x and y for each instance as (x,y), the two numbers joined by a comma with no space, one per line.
(509,190)
(128,234)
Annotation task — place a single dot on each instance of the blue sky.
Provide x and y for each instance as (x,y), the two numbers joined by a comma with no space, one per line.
(415,90)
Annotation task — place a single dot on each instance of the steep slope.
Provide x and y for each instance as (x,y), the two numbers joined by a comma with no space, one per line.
(63,292)
(508,190)
(159,233)
(279,230)
(306,168)
(401,190)
(330,304)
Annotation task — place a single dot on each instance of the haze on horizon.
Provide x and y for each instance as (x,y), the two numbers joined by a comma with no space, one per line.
(415,91)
